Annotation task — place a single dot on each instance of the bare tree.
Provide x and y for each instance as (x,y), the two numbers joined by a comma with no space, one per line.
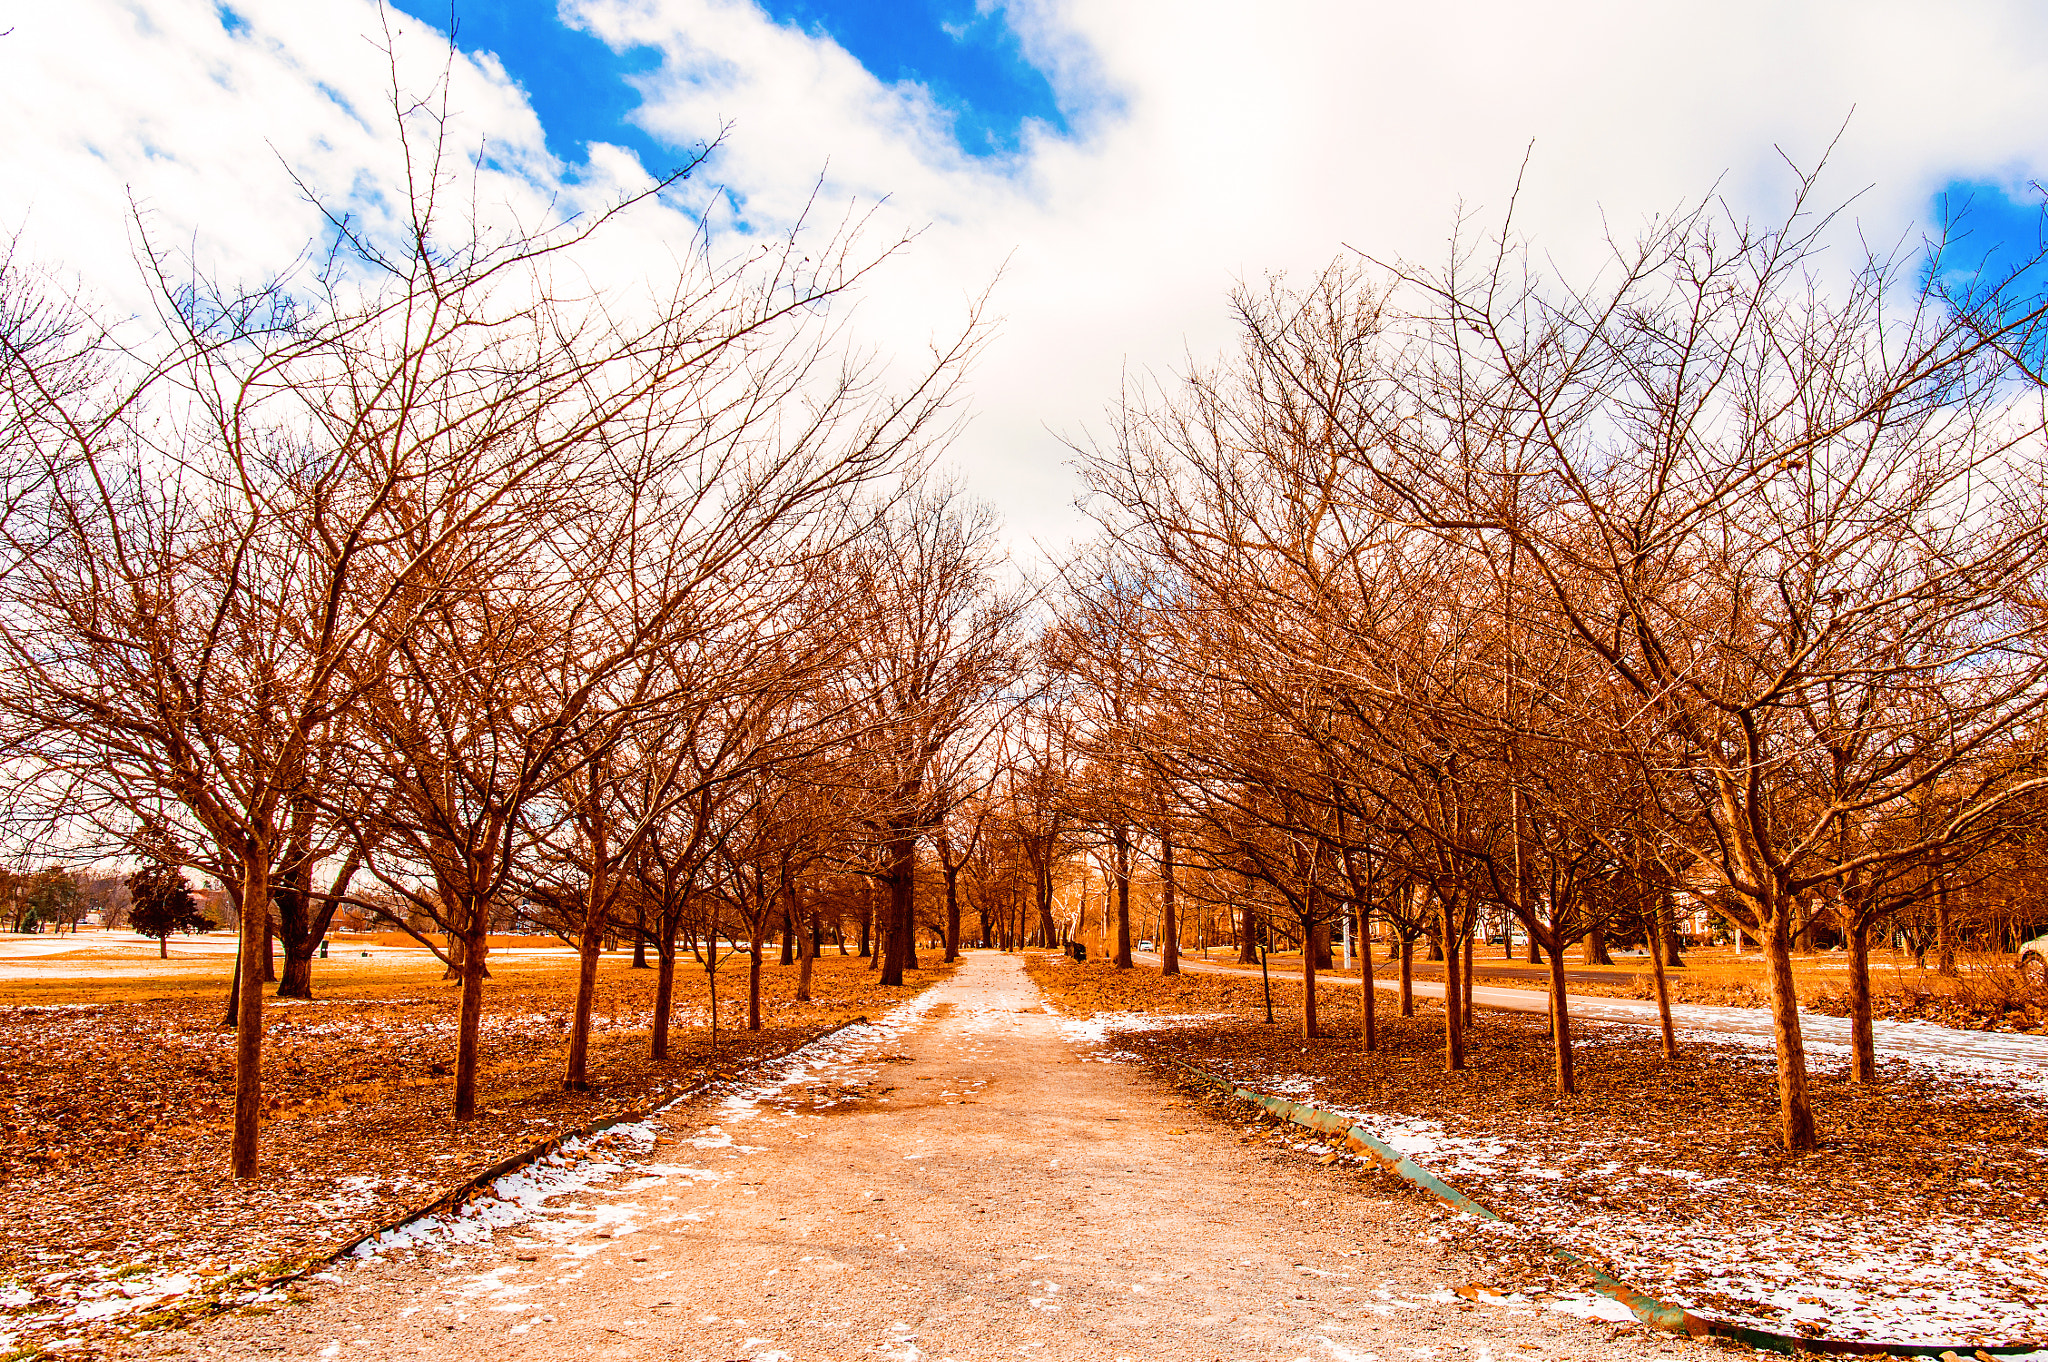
(933,647)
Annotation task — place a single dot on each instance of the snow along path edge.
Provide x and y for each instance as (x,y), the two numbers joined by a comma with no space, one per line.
(1651,1311)
(249,1291)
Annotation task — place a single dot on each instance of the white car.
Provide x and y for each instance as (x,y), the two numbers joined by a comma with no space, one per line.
(2034,962)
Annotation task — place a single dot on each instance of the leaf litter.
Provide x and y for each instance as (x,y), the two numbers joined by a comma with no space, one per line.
(115,1210)
(1921,1219)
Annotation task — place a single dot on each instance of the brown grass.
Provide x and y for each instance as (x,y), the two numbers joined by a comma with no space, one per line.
(114,1094)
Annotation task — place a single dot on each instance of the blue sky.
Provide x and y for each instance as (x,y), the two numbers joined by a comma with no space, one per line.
(974,67)
(971,62)
(1193,145)
(578,86)
(1994,229)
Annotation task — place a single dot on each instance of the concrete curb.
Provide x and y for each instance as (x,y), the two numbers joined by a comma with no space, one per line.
(1647,1308)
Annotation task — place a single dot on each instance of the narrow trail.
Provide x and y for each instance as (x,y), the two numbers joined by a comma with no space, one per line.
(1923,1042)
(970,1187)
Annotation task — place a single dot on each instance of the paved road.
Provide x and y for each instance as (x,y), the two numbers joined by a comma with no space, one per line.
(1923,1042)
(968,1188)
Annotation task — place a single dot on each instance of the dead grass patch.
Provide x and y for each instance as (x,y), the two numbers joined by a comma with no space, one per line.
(114,1106)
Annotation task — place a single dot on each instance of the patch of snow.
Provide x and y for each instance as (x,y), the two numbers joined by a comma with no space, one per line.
(1592,1307)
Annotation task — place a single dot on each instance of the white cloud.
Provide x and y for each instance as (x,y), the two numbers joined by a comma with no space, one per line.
(1211,142)
(194,122)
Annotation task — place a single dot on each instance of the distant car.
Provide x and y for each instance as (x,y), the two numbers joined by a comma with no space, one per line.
(2034,962)
(1147,946)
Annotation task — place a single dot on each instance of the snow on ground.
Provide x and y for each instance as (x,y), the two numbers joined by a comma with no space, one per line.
(1889,1275)
(1916,1042)
(589,1168)
(96,1293)
(559,1199)
(1094,1033)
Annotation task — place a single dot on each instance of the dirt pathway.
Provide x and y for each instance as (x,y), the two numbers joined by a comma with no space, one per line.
(970,1187)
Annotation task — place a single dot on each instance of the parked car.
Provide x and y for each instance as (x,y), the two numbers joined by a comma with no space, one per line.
(2034,962)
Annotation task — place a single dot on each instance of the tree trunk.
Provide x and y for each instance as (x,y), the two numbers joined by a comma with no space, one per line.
(249,1018)
(1368,1008)
(1309,1030)
(297,980)
(1247,935)
(1169,914)
(1862,1031)
(867,923)
(269,947)
(233,1017)
(1596,947)
(758,939)
(1944,933)
(300,928)
(1042,893)
(1560,1021)
(596,900)
(664,998)
(1120,854)
(789,946)
(1454,1005)
(1667,928)
(1407,976)
(1318,945)
(1663,985)
(469,1025)
(808,942)
(952,914)
(639,935)
(1795,1105)
(711,990)
(1465,995)
(896,943)
(163,948)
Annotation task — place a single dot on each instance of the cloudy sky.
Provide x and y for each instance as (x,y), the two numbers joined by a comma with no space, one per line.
(1121,164)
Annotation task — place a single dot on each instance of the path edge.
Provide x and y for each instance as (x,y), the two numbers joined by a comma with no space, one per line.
(465,1190)
(1655,1313)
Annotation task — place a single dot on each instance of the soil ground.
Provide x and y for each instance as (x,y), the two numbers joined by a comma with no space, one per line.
(1920,1217)
(116,1080)
(969,1188)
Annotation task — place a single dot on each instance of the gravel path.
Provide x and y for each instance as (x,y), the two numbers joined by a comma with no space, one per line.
(970,1187)
(1924,1042)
